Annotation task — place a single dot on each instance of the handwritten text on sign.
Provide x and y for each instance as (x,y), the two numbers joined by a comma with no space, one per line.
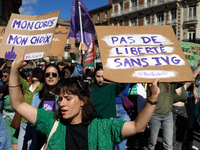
(126,49)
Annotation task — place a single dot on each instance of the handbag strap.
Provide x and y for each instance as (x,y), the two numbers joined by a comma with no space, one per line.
(53,130)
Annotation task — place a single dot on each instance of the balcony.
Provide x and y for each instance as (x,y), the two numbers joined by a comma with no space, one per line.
(191,20)
(172,22)
(159,23)
(140,7)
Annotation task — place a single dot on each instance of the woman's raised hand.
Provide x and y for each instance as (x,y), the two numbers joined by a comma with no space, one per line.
(18,64)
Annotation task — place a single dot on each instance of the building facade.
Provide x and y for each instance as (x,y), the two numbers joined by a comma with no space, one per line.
(7,7)
(183,15)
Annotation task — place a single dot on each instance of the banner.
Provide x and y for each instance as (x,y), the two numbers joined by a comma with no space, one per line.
(31,35)
(139,54)
(192,53)
(90,57)
(87,24)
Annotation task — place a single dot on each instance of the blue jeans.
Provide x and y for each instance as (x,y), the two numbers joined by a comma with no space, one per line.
(22,130)
(5,143)
(166,121)
(121,114)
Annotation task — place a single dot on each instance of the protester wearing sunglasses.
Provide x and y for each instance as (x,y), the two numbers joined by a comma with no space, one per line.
(43,99)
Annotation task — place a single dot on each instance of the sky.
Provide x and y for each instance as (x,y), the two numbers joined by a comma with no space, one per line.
(37,7)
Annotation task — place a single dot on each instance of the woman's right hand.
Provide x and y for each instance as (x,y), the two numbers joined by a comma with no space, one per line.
(18,64)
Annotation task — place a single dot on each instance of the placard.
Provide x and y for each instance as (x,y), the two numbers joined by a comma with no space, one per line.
(31,35)
(59,42)
(2,31)
(140,54)
(191,52)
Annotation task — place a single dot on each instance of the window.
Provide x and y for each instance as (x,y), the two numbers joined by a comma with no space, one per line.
(148,19)
(121,23)
(134,22)
(121,5)
(192,11)
(98,17)
(173,14)
(160,18)
(134,3)
(148,3)
(160,1)
(191,36)
(106,14)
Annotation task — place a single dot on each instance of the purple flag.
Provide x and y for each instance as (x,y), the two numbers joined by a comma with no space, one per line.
(87,24)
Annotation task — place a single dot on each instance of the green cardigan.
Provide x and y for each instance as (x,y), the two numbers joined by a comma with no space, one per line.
(102,133)
(28,95)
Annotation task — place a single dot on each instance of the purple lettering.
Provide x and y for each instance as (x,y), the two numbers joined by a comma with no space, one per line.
(146,40)
(154,39)
(175,61)
(41,39)
(123,40)
(126,49)
(162,49)
(117,51)
(11,38)
(139,50)
(30,26)
(133,51)
(17,23)
(24,24)
(51,22)
(40,25)
(127,62)
(145,61)
(116,60)
(165,60)
(157,60)
(36,25)
(148,50)
(155,48)
(114,39)
(130,38)
(138,62)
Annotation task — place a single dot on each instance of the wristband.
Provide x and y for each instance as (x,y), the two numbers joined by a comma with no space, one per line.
(150,102)
(13,86)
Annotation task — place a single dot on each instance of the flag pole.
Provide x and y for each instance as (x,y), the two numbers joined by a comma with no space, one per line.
(81,27)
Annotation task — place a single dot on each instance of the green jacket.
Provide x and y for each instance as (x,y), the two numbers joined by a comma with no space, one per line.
(102,133)
(103,98)
(28,95)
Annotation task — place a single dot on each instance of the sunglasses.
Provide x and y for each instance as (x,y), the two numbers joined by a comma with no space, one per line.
(48,74)
(5,76)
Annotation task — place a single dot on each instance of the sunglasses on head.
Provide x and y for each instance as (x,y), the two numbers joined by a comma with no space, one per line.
(48,74)
(5,76)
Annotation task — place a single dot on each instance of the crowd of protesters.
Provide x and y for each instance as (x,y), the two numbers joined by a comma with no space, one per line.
(93,112)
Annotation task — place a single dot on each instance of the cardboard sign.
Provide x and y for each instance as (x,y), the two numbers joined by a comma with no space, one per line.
(192,53)
(59,41)
(2,31)
(31,35)
(142,53)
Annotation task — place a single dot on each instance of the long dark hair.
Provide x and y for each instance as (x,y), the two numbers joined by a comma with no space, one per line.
(77,86)
(96,69)
(44,92)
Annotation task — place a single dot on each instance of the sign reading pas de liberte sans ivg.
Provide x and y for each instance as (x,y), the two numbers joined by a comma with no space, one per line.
(31,35)
(141,54)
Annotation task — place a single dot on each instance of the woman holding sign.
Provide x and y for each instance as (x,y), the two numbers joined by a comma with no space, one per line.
(77,127)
